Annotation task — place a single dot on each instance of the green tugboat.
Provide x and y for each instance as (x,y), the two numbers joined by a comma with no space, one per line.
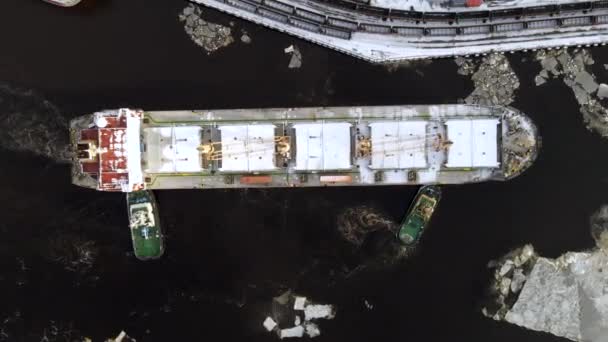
(419,214)
(145,225)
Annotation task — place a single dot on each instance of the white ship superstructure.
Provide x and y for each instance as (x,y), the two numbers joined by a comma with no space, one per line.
(127,150)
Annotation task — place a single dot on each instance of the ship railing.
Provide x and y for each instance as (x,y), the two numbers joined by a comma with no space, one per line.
(342,28)
(551,9)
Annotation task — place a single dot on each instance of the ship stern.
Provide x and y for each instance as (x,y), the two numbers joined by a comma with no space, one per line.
(106,150)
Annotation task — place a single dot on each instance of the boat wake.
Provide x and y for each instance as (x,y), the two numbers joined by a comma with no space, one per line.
(373,236)
(356,223)
(74,252)
(30,123)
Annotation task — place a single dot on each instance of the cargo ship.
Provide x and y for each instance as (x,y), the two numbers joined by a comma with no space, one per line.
(63,3)
(144,222)
(397,30)
(130,149)
(419,214)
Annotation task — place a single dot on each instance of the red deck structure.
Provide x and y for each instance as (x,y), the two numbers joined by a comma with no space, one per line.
(108,151)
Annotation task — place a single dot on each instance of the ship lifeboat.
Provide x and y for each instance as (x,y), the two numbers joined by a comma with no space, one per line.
(63,3)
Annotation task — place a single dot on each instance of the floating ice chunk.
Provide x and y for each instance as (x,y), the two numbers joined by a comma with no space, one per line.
(296,57)
(292,332)
(508,266)
(297,321)
(269,323)
(312,330)
(299,303)
(549,63)
(587,81)
(602,91)
(318,311)
(539,80)
(549,302)
(283,299)
(119,338)
(519,278)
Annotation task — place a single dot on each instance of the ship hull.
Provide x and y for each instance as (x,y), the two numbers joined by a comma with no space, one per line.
(342,158)
(384,35)
(63,3)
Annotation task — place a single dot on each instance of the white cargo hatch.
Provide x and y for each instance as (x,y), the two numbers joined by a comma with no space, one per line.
(247,147)
(398,144)
(173,149)
(474,143)
(323,146)
(134,151)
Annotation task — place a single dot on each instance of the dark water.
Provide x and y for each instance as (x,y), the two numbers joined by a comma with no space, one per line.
(229,248)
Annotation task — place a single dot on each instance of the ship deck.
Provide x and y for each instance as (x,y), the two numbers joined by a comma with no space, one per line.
(411,158)
(323,146)
(379,34)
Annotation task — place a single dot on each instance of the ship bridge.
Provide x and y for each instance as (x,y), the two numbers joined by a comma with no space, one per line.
(108,150)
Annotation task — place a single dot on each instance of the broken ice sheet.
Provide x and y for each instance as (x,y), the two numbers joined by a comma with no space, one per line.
(318,311)
(566,297)
(269,324)
(297,331)
(573,67)
(312,330)
(602,91)
(298,303)
(290,305)
(494,80)
(209,36)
